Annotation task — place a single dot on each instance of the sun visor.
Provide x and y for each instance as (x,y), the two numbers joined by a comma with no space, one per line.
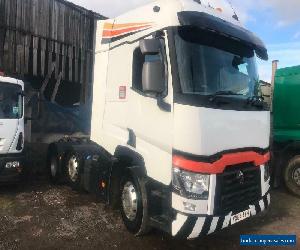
(205,21)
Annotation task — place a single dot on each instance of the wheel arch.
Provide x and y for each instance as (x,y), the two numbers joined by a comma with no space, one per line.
(283,154)
(290,150)
(130,159)
(127,161)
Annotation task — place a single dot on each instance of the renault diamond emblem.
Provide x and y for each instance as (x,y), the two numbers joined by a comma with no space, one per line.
(241,177)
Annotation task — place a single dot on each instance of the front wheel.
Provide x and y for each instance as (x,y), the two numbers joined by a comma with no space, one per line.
(292,176)
(134,207)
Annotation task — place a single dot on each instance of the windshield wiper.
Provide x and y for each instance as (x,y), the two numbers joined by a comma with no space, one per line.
(223,93)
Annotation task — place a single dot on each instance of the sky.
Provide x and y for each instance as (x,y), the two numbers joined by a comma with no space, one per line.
(277,22)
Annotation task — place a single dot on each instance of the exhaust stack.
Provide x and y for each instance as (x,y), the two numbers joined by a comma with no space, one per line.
(274,69)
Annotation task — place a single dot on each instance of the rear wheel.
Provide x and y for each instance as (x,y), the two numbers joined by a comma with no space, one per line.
(73,170)
(53,167)
(134,208)
(292,175)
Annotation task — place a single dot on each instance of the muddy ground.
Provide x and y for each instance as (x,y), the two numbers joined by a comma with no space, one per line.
(38,215)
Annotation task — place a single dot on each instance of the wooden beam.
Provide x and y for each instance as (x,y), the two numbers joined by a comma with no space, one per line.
(34,33)
(47,79)
(57,85)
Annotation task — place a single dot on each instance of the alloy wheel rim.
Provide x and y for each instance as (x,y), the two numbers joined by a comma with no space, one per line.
(129,201)
(296,176)
(73,166)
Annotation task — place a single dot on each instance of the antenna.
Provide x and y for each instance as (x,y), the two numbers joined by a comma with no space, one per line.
(235,16)
(198,1)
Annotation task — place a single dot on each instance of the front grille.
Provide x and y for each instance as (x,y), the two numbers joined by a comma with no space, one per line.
(234,194)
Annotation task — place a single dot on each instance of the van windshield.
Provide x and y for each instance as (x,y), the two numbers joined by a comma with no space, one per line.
(209,65)
(11,105)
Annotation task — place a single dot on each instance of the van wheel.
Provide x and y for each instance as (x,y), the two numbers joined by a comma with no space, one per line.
(73,170)
(292,175)
(134,208)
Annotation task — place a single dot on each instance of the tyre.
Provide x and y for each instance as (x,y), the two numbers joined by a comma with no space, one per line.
(73,169)
(292,175)
(53,167)
(134,208)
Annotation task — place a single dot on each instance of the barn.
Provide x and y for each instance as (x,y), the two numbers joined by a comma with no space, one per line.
(49,43)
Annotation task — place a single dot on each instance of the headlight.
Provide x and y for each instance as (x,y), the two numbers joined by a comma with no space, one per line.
(194,186)
(267,172)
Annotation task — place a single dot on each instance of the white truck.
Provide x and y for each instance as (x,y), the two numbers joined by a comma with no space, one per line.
(11,128)
(179,137)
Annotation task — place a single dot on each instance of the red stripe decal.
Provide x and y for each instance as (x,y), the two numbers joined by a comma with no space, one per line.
(112,33)
(219,166)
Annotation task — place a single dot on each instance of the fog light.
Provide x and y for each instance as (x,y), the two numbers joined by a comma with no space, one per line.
(12,164)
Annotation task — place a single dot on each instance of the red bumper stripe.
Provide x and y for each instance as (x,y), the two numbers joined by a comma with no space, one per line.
(219,166)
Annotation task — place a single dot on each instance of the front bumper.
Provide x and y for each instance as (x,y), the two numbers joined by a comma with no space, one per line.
(13,174)
(193,226)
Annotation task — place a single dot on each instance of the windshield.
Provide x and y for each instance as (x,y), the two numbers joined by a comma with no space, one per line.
(209,65)
(10,101)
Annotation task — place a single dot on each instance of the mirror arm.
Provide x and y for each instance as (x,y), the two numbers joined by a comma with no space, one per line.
(22,94)
(164,106)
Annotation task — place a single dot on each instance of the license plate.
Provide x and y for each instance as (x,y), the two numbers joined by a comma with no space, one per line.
(240,216)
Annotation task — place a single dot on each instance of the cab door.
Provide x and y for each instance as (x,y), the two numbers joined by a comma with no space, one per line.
(151,118)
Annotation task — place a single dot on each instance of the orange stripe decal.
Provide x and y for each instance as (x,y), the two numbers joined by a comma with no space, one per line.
(112,30)
(219,166)
(112,33)
(108,26)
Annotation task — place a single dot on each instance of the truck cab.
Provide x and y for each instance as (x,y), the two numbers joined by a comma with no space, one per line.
(179,134)
(175,94)
(11,128)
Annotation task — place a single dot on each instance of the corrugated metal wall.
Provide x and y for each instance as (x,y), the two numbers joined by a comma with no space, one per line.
(47,39)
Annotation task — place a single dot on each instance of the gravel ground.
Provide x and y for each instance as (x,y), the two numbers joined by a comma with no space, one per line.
(38,215)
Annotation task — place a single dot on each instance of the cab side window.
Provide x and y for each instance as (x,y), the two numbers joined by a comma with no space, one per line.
(137,67)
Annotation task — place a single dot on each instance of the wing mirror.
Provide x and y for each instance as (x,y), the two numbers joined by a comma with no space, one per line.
(153,78)
(150,46)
